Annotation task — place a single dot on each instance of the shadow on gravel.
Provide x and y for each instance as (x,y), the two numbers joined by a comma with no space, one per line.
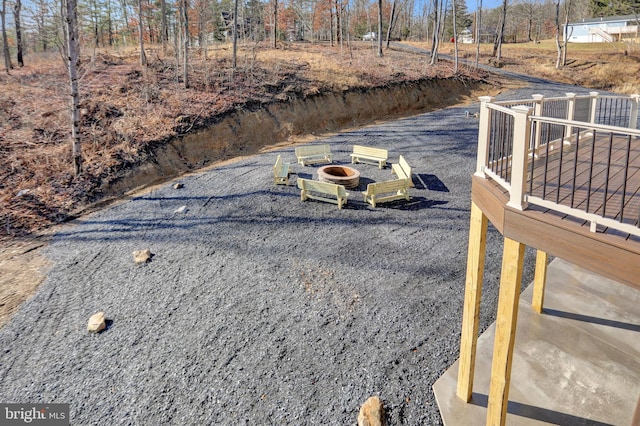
(431,182)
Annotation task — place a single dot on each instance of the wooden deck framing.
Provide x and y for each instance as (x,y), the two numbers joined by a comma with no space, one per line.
(575,196)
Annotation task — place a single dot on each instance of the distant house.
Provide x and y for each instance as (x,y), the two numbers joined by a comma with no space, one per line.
(609,29)
(465,36)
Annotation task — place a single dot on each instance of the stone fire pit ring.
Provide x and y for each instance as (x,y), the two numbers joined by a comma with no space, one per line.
(340,175)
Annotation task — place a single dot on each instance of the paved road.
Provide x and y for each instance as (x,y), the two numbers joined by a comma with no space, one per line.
(258,308)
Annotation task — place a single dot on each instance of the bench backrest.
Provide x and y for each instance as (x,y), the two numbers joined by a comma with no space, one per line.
(386,186)
(278,166)
(373,152)
(305,150)
(405,166)
(322,187)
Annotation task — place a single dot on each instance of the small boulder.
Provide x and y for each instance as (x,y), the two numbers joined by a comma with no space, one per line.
(142,256)
(371,413)
(96,323)
(182,209)
(178,185)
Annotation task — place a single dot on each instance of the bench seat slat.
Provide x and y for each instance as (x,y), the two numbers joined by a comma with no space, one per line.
(322,191)
(309,154)
(369,155)
(280,172)
(379,192)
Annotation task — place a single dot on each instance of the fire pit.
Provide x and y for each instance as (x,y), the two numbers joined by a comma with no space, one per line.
(341,175)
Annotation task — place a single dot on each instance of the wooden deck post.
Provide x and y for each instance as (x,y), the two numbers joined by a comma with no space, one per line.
(538,110)
(521,138)
(510,281)
(571,111)
(594,105)
(633,115)
(472,295)
(539,281)
(484,132)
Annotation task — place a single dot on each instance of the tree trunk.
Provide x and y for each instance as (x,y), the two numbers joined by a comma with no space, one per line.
(185,42)
(330,22)
(143,57)
(164,30)
(391,19)
(565,37)
(274,32)
(436,35)
(5,41)
(19,42)
(455,39)
(559,46)
(71,59)
(234,60)
(497,45)
(380,28)
(478,33)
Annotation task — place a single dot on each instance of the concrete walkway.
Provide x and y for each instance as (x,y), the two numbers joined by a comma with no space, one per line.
(578,363)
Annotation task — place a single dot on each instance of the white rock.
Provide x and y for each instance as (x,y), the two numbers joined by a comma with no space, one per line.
(142,256)
(96,323)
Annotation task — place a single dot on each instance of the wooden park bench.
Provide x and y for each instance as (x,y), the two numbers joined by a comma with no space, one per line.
(322,191)
(280,172)
(309,154)
(379,192)
(402,169)
(366,154)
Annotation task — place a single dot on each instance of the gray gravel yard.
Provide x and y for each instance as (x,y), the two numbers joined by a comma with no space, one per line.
(257,308)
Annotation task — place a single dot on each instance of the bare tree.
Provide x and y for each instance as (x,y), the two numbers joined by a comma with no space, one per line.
(497,44)
(436,33)
(455,37)
(69,13)
(561,42)
(234,60)
(478,27)
(391,22)
(19,42)
(5,41)
(380,28)
(184,18)
(164,30)
(274,31)
(143,57)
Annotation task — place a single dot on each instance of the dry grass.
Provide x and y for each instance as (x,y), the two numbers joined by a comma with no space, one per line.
(612,67)
(125,112)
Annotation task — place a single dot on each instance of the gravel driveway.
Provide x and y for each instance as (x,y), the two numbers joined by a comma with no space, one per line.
(257,308)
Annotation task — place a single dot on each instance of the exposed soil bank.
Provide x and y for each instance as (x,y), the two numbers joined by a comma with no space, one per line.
(246,132)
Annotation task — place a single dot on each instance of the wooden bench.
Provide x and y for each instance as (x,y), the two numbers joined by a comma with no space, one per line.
(365,154)
(280,172)
(310,154)
(402,169)
(322,191)
(379,192)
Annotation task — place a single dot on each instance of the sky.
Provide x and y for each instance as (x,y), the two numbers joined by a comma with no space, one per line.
(472,5)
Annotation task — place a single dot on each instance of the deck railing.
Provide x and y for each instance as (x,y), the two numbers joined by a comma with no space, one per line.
(543,150)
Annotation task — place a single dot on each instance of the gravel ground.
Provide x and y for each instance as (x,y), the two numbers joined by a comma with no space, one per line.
(258,308)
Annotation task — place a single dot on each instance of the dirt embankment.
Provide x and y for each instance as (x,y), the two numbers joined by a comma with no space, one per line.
(247,132)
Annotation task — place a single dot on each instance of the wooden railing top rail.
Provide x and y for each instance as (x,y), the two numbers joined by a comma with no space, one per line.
(508,149)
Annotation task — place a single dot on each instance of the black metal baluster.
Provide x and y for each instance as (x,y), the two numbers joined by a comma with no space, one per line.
(546,161)
(560,165)
(575,168)
(593,149)
(606,176)
(624,182)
